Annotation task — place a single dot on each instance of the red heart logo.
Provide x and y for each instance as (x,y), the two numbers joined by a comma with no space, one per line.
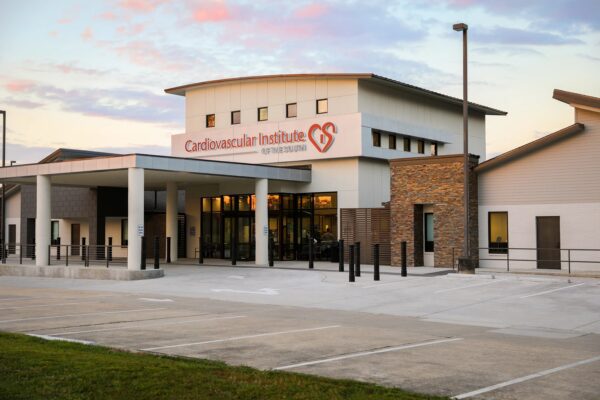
(321,137)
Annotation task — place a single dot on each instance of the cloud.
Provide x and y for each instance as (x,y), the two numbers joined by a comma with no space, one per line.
(142,6)
(507,50)
(24,154)
(108,16)
(68,68)
(513,36)
(311,10)
(87,34)
(146,53)
(212,12)
(19,86)
(141,149)
(23,103)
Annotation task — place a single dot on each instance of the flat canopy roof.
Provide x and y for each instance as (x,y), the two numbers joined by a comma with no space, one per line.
(180,90)
(112,171)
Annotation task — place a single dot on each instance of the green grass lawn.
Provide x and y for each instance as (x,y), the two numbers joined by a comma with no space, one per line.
(32,368)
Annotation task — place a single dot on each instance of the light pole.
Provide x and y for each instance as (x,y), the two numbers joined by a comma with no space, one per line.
(3,228)
(461,27)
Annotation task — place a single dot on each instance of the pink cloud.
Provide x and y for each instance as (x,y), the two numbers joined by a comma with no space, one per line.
(131,30)
(109,16)
(143,6)
(87,34)
(53,33)
(212,13)
(312,10)
(19,86)
(144,53)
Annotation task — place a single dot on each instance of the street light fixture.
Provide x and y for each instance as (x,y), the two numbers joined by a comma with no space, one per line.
(462,27)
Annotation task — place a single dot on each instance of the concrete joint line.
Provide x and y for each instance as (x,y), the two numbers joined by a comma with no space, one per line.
(80,315)
(240,338)
(526,378)
(367,353)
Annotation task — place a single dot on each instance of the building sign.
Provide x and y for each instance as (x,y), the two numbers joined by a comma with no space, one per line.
(290,140)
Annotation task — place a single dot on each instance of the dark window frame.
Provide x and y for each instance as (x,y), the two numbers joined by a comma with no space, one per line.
(392,139)
(54,240)
(421,146)
(376,134)
(287,110)
(258,115)
(326,106)
(240,117)
(124,232)
(407,144)
(493,246)
(214,123)
(429,246)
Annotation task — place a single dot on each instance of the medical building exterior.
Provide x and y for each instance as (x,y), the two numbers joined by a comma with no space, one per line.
(277,156)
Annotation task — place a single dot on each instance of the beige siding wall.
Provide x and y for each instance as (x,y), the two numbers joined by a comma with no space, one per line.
(566,172)
(221,100)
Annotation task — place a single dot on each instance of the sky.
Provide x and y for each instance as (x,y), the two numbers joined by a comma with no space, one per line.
(92,74)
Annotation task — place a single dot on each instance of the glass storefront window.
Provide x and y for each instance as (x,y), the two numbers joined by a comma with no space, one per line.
(304,201)
(274,201)
(227,203)
(216,204)
(244,203)
(325,200)
(287,201)
(205,204)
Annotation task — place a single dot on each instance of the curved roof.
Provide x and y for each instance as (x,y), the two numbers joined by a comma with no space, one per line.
(378,79)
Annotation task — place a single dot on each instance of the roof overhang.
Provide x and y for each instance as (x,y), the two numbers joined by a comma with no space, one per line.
(577,100)
(181,90)
(112,171)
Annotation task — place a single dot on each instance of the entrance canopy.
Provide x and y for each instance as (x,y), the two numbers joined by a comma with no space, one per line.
(112,171)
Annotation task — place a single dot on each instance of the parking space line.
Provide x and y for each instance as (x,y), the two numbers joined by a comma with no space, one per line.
(241,337)
(526,378)
(80,315)
(47,337)
(43,305)
(366,353)
(147,325)
(550,291)
(470,286)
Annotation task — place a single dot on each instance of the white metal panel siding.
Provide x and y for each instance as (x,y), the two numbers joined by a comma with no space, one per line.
(374,182)
(565,172)
(405,113)
(274,94)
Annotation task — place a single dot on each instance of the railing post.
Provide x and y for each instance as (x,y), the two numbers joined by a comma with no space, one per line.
(168,250)
(234,248)
(453,259)
(403,260)
(357,259)
(67,257)
(200,255)
(569,260)
(143,253)
(341,255)
(351,277)
(156,252)
(86,250)
(20,254)
(507,260)
(376,262)
(49,253)
(311,262)
(58,248)
(82,249)
(110,250)
(271,255)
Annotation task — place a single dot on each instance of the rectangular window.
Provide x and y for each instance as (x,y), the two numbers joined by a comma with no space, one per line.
(421,146)
(376,139)
(434,149)
(322,106)
(428,232)
(392,142)
(236,117)
(291,110)
(263,114)
(498,232)
(210,120)
(124,232)
(406,144)
(54,234)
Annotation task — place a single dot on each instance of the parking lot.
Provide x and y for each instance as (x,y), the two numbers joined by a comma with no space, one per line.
(483,336)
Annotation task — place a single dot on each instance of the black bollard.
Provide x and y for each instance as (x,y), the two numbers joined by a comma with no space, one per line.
(311,261)
(110,244)
(168,250)
(156,252)
(341,255)
(82,248)
(200,255)
(143,253)
(403,259)
(234,250)
(376,262)
(58,248)
(271,255)
(351,264)
(357,271)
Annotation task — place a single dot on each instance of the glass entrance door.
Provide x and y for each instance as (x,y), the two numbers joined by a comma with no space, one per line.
(245,239)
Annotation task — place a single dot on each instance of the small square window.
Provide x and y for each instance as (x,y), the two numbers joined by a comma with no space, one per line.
(434,149)
(291,110)
(236,117)
(407,144)
(376,139)
(210,120)
(322,106)
(421,146)
(392,142)
(263,114)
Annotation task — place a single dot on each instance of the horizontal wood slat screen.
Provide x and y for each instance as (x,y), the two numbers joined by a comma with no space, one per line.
(368,226)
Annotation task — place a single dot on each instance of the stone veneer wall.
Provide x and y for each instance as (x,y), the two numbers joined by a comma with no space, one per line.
(437,181)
